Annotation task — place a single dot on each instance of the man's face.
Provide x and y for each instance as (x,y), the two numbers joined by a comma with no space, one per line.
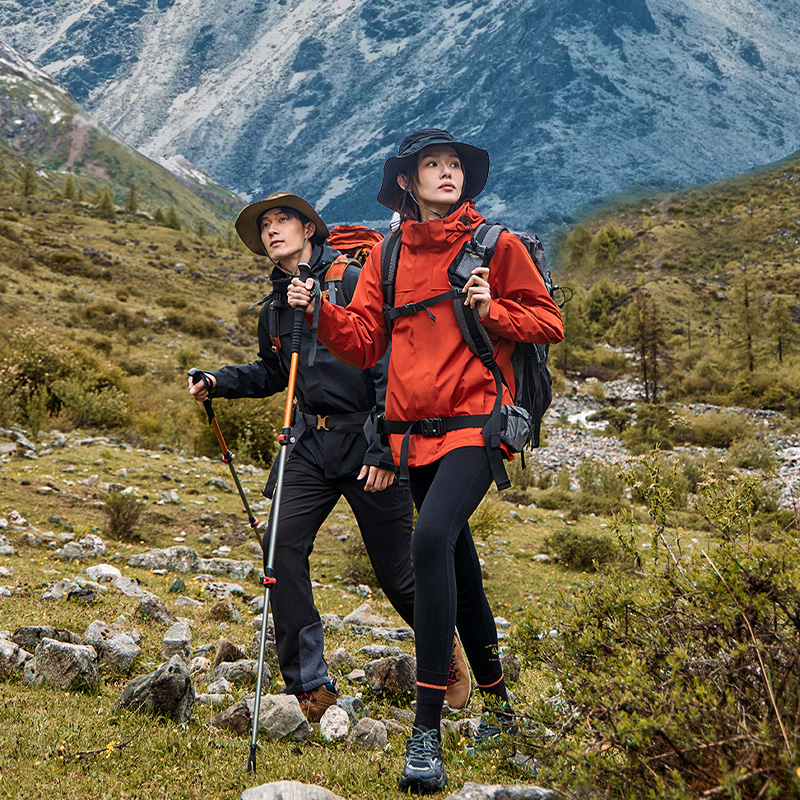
(283,236)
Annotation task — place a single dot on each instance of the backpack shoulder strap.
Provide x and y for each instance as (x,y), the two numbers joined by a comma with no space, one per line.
(334,276)
(390,251)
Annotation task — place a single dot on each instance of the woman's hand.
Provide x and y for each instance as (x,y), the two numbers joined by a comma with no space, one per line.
(299,294)
(377,479)
(198,390)
(477,289)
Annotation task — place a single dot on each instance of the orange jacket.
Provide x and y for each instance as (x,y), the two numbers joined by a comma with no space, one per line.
(432,372)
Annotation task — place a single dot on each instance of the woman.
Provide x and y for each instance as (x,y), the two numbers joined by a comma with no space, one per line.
(433,375)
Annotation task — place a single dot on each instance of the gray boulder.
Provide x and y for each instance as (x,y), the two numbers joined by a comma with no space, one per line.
(231,568)
(392,676)
(236,718)
(335,724)
(240,673)
(151,606)
(288,790)
(368,734)
(332,622)
(115,650)
(102,573)
(341,661)
(12,659)
(128,586)
(227,652)
(354,707)
(70,666)
(477,791)
(28,636)
(174,559)
(167,692)
(366,617)
(6,548)
(178,641)
(91,546)
(60,589)
(280,716)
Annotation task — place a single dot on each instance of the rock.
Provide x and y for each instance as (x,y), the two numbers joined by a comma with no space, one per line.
(60,589)
(368,734)
(394,675)
(219,483)
(393,727)
(6,548)
(153,607)
(168,692)
(225,611)
(231,568)
(334,724)
(356,676)
(340,660)
(236,718)
(502,622)
(103,573)
(227,651)
(70,666)
(354,707)
(12,659)
(220,686)
(213,700)
(188,602)
(170,496)
(280,716)
(394,634)
(28,636)
(129,587)
(177,586)
(362,590)
(91,546)
(364,615)
(177,641)
(477,791)
(115,650)
(288,790)
(511,667)
(199,666)
(174,559)
(373,651)
(332,622)
(240,673)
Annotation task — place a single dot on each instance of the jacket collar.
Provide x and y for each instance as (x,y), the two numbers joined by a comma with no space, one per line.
(443,232)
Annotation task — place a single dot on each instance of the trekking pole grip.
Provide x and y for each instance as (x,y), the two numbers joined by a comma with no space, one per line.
(198,375)
(300,312)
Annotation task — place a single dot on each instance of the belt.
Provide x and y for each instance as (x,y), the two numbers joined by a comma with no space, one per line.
(342,423)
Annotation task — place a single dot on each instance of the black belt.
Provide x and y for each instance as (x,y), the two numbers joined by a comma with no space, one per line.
(343,423)
(436,426)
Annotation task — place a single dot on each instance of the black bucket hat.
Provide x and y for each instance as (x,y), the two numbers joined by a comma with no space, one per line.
(247,221)
(474,160)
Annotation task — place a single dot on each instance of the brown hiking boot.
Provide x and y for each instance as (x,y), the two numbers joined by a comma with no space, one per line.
(314,703)
(459,683)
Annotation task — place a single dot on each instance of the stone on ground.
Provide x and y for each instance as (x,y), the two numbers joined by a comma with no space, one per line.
(167,692)
(289,790)
(70,666)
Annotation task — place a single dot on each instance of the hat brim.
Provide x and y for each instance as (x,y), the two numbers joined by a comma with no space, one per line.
(474,160)
(247,222)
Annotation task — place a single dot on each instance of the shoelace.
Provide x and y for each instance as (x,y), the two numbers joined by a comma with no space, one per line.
(452,677)
(423,747)
(305,697)
(486,732)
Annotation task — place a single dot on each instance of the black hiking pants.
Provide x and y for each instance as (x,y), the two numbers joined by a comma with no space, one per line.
(449,586)
(385,521)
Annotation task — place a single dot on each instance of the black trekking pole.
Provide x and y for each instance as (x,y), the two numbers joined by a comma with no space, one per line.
(198,375)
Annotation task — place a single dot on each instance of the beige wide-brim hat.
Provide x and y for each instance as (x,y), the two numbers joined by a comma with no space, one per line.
(247,221)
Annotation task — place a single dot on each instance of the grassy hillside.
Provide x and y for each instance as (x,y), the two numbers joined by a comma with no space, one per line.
(720,263)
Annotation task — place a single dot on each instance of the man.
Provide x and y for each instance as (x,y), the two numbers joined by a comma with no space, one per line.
(334,452)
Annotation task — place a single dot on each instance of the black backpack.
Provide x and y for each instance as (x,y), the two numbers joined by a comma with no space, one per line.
(517,426)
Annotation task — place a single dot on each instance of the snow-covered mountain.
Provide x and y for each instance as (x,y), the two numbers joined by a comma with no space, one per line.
(575,99)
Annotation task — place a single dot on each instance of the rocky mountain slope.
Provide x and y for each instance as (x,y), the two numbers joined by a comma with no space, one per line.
(42,123)
(576,99)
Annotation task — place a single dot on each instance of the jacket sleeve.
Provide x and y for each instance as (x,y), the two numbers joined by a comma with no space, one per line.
(357,335)
(260,378)
(521,308)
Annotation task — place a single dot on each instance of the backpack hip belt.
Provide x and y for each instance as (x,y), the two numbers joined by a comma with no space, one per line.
(432,426)
(341,423)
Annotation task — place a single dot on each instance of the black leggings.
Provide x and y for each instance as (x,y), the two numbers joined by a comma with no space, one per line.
(449,588)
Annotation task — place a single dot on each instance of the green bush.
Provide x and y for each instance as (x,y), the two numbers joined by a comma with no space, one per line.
(752,453)
(715,429)
(122,513)
(653,426)
(680,683)
(485,519)
(583,551)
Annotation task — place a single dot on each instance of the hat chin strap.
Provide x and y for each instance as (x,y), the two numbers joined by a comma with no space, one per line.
(436,213)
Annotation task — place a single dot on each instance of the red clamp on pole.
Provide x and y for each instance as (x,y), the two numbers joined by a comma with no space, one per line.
(265,581)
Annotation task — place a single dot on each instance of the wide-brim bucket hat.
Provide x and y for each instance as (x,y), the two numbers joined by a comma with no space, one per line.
(474,160)
(247,221)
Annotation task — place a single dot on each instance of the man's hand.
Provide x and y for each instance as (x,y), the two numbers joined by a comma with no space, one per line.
(377,479)
(299,294)
(198,390)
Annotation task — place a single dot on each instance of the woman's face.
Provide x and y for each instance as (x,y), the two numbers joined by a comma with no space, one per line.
(440,179)
(284,237)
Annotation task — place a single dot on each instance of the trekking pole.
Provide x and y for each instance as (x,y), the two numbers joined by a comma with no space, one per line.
(198,375)
(268,580)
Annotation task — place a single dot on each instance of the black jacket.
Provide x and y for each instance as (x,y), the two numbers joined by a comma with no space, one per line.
(328,388)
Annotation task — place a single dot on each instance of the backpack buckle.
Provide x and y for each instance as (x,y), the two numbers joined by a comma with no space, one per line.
(432,427)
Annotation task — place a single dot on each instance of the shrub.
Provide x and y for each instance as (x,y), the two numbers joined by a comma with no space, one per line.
(653,426)
(122,512)
(485,519)
(583,551)
(682,683)
(752,453)
(715,429)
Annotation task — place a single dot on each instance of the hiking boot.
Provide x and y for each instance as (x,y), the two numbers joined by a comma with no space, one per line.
(424,770)
(459,684)
(493,727)
(314,703)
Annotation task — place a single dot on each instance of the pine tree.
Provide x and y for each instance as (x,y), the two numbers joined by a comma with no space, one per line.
(201,228)
(69,188)
(104,208)
(28,180)
(132,204)
(782,328)
(79,196)
(158,216)
(745,320)
(171,220)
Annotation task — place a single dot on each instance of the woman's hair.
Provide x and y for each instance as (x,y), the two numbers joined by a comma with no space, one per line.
(290,212)
(409,208)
